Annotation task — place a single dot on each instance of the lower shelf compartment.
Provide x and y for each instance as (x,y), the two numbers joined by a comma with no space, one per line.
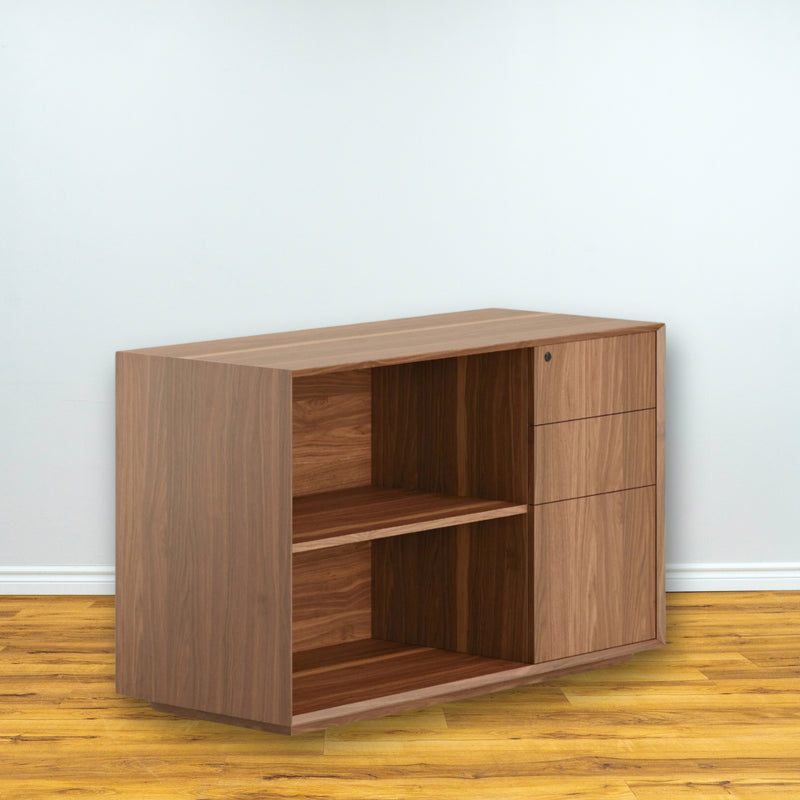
(367,669)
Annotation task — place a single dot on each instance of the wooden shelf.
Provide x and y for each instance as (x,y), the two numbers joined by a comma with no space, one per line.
(367,669)
(329,519)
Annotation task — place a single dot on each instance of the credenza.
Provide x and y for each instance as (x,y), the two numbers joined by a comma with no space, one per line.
(327,525)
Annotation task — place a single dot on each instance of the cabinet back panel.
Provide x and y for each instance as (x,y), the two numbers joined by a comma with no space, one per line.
(331,431)
(461,588)
(331,596)
(453,425)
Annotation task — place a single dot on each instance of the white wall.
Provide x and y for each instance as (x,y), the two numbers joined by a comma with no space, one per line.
(176,171)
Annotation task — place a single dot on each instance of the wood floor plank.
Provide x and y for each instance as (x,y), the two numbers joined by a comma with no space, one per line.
(766,791)
(455,788)
(721,790)
(714,714)
(691,791)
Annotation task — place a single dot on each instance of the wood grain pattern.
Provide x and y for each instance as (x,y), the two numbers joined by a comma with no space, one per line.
(464,687)
(203,552)
(429,344)
(331,431)
(331,519)
(455,426)
(660,469)
(436,552)
(219,347)
(593,377)
(331,596)
(594,573)
(362,674)
(712,714)
(461,589)
(591,456)
(396,341)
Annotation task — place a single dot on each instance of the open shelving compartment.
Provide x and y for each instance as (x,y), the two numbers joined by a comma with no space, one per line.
(410,553)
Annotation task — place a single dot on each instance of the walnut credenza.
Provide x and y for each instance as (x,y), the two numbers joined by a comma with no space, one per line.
(327,525)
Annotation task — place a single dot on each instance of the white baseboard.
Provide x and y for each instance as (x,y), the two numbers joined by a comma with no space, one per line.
(762,576)
(56,580)
(748,576)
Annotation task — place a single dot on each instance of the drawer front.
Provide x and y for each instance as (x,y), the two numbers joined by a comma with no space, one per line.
(593,573)
(593,377)
(590,456)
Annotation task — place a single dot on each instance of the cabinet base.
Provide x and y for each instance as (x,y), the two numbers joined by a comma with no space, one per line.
(397,703)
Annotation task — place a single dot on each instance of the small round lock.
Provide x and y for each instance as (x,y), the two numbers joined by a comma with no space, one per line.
(548,355)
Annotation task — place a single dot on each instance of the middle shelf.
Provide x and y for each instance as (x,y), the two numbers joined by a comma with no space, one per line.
(343,516)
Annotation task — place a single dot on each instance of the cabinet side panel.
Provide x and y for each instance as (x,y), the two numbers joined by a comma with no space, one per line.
(331,431)
(461,588)
(204,536)
(661,597)
(331,591)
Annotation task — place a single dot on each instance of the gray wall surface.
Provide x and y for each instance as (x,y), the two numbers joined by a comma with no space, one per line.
(176,171)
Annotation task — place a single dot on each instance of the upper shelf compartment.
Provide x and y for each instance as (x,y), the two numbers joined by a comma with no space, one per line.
(329,519)
(409,447)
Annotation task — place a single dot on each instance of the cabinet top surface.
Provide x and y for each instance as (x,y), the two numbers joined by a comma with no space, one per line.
(394,341)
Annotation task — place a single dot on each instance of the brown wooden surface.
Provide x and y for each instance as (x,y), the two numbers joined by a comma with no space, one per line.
(331,596)
(456,426)
(206,473)
(331,431)
(460,589)
(660,364)
(594,573)
(331,519)
(360,674)
(359,330)
(711,716)
(203,552)
(593,377)
(417,339)
(462,688)
(591,456)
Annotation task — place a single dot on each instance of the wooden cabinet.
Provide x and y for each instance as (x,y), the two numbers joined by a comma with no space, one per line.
(326,525)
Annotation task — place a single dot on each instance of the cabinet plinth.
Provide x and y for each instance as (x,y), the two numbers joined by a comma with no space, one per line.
(327,525)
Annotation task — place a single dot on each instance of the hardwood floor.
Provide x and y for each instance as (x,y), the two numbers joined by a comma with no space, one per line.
(714,714)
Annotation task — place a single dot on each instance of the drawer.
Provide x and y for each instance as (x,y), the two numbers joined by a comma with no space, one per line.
(594,573)
(591,456)
(592,377)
